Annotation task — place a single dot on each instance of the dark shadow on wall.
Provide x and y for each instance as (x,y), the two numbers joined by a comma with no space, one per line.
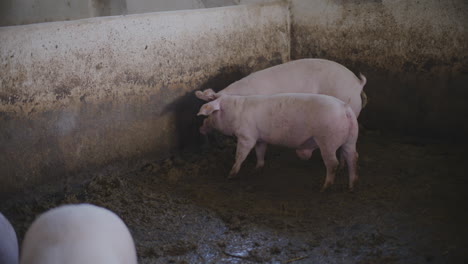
(186,107)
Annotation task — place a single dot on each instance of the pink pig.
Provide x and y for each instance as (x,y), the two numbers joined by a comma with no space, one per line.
(78,234)
(314,76)
(300,121)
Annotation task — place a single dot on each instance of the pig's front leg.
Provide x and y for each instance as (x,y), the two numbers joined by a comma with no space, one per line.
(244,146)
(260,150)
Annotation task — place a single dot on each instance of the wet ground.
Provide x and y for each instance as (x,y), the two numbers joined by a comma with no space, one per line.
(410,206)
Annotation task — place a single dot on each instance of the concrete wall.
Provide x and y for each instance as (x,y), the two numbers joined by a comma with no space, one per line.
(80,94)
(144,6)
(414,54)
(22,12)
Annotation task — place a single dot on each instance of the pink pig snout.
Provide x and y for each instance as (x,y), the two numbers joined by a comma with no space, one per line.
(205,128)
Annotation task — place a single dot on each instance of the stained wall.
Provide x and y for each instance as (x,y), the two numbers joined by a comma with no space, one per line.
(76,95)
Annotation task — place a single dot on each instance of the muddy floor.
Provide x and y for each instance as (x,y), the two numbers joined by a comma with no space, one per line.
(410,206)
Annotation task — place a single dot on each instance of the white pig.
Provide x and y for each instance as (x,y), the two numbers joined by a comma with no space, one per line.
(8,242)
(314,76)
(77,234)
(300,121)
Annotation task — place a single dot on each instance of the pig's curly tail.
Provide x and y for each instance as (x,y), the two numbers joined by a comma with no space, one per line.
(363,82)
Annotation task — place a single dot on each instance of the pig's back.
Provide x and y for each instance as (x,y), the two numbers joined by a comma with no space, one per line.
(316,76)
(290,103)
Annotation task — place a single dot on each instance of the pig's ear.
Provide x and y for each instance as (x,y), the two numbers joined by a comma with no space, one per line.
(201,95)
(208,109)
(209,94)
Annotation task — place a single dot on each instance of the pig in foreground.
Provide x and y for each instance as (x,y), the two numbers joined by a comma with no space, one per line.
(8,242)
(314,76)
(300,121)
(77,234)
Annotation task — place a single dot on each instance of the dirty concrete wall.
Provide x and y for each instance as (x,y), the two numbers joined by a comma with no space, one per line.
(414,54)
(13,12)
(80,94)
(144,6)
(22,12)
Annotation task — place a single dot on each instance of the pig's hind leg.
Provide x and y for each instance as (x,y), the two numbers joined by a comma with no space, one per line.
(328,152)
(341,155)
(351,156)
(260,150)
(244,146)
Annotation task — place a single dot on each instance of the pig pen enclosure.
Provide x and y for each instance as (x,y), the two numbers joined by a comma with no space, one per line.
(103,111)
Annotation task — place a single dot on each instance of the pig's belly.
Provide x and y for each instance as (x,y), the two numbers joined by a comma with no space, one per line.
(287,139)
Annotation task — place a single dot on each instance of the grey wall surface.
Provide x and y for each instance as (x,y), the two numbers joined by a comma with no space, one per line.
(22,12)
(145,6)
(414,54)
(80,94)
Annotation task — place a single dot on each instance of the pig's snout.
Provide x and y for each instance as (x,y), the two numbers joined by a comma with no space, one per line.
(205,128)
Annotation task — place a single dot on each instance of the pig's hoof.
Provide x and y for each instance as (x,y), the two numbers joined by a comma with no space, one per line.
(259,168)
(256,172)
(232,176)
(352,185)
(325,187)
